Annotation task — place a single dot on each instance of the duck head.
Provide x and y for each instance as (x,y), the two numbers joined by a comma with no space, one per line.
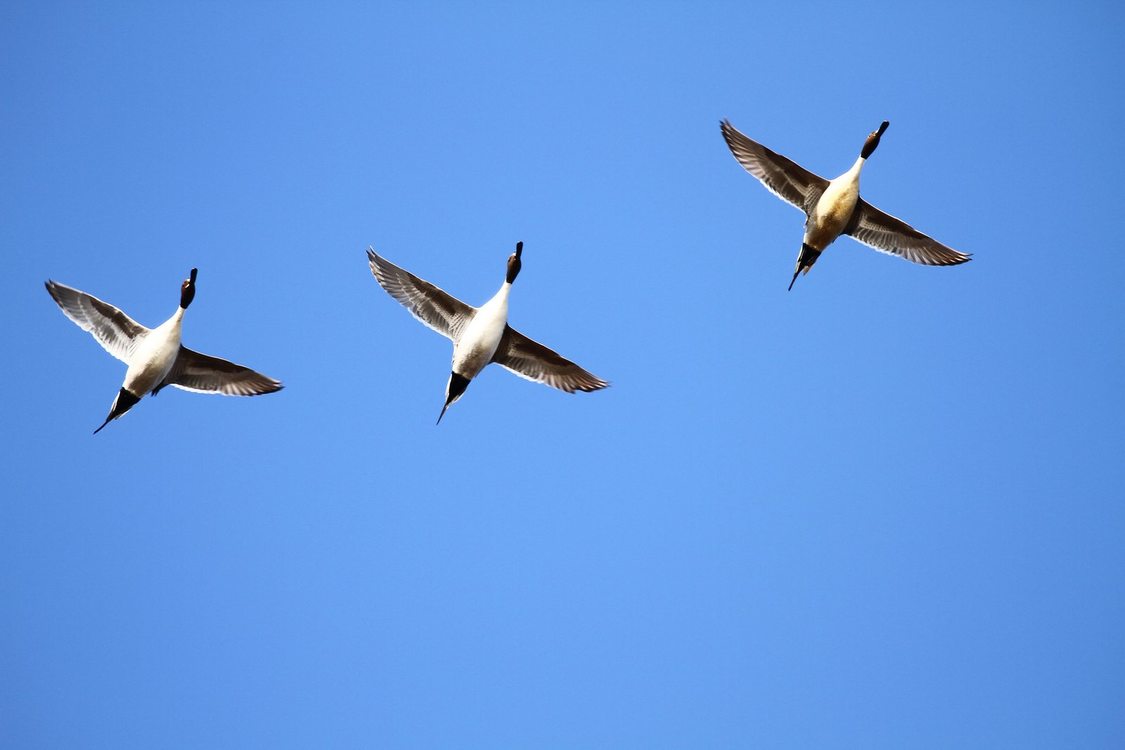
(873,140)
(514,263)
(187,289)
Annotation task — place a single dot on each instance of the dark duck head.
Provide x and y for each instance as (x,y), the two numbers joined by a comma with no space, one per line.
(514,264)
(187,289)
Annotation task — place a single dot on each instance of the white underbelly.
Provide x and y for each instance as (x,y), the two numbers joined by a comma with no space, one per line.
(468,361)
(479,342)
(831,215)
(151,365)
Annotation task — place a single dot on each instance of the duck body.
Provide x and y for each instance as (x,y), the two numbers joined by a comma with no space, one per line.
(481,338)
(834,207)
(480,335)
(833,210)
(155,357)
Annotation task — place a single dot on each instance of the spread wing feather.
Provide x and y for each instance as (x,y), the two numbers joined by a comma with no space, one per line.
(887,234)
(783,177)
(530,359)
(114,330)
(439,310)
(202,373)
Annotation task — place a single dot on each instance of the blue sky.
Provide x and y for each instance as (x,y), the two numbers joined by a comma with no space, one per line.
(881,510)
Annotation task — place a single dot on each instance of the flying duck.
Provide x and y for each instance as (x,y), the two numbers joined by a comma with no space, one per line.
(833,207)
(154,355)
(480,335)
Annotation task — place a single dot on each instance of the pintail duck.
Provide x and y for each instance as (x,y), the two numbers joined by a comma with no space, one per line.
(154,355)
(833,207)
(480,335)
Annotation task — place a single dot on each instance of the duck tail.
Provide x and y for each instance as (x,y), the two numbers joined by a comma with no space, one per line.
(123,403)
(805,261)
(453,391)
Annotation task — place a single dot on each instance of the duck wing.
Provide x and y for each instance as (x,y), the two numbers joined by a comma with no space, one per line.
(434,307)
(530,359)
(783,177)
(114,330)
(202,373)
(887,234)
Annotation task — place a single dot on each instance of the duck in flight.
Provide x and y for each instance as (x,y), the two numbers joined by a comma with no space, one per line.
(480,335)
(833,207)
(154,355)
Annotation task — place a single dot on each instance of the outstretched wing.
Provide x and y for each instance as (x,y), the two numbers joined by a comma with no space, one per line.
(437,309)
(201,373)
(783,177)
(530,359)
(887,234)
(114,330)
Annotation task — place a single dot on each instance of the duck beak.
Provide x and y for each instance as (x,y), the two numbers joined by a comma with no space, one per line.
(194,271)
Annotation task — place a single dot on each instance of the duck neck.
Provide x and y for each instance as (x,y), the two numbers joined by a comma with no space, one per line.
(173,325)
(852,175)
(503,292)
(177,320)
(499,301)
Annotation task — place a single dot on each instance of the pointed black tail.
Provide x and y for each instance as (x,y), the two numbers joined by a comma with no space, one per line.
(805,261)
(123,403)
(457,386)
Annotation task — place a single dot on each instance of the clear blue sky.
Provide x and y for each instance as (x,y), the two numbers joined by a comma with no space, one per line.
(883,510)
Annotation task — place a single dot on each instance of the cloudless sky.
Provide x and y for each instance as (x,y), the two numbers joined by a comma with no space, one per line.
(883,510)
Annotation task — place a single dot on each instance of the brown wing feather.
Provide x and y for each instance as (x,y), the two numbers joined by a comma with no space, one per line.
(117,333)
(530,359)
(887,234)
(202,373)
(783,177)
(436,308)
